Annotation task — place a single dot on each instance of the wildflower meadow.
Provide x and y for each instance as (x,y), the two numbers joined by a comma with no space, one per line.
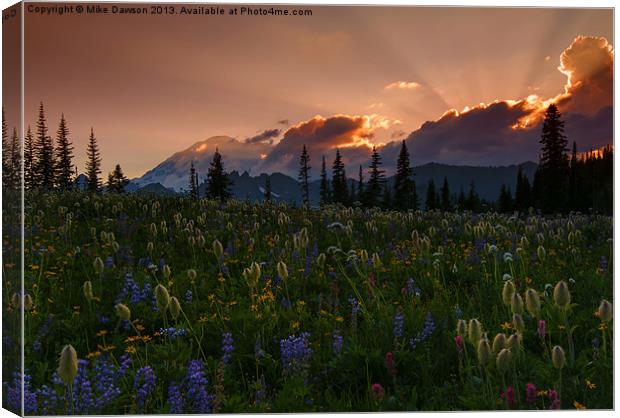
(145,305)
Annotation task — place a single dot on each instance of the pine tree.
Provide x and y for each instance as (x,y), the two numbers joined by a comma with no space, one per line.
(29,160)
(462,200)
(360,185)
(14,163)
(117,180)
(324,190)
(403,185)
(415,203)
(45,166)
(376,180)
(445,195)
(386,202)
(339,180)
(218,183)
(431,196)
(573,193)
(64,156)
(550,182)
(523,191)
(473,200)
(267,188)
(352,193)
(193,182)
(93,164)
(505,203)
(6,165)
(304,176)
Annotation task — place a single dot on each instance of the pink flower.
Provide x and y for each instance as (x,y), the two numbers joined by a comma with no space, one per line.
(541,328)
(509,396)
(390,365)
(530,393)
(555,399)
(458,340)
(378,392)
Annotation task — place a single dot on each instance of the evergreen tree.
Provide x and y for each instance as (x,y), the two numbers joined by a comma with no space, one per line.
(386,202)
(267,188)
(218,183)
(324,189)
(14,163)
(360,185)
(523,191)
(352,193)
(64,156)
(445,195)
(193,181)
(414,196)
(29,159)
(473,200)
(117,180)
(505,203)
(304,176)
(376,180)
(462,200)
(550,182)
(6,165)
(573,193)
(339,180)
(431,196)
(45,166)
(403,185)
(93,164)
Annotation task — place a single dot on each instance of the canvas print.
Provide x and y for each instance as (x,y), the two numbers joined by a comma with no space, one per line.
(228,208)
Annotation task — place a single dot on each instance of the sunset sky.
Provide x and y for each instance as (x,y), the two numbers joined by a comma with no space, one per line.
(345,76)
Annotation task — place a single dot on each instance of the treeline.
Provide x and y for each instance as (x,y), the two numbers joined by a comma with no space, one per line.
(48,162)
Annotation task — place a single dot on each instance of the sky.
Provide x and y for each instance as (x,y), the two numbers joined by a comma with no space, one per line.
(461,85)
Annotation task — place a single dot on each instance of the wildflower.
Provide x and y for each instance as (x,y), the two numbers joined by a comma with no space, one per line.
(555,399)
(144,383)
(227,347)
(532,302)
(557,357)
(172,333)
(175,399)
(507,291)
(590,385)
(509,396)
(320,259)
(516,303)
(218,250)
(518,323)
(578,405)
(175,307)
(377,392)
(541,328)
(295,353)
(87,288)
(605,311)
(461,327)
(198,401)
(499,342)
(484,352)
(122,311)
(541,252)
(337,342)
(282,270)
(162,297)
(399,325)
(458,341)
(561,295)
(475,331)
(503,360)
(98,265)
(427,331)
(505,325)
(189,296)
(68,364)
(530,393)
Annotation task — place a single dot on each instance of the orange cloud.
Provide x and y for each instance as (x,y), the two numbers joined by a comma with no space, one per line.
(403,85)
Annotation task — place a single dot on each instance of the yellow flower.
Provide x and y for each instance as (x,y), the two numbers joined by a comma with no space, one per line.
(542,393)
(102,333)
(578,405)
(295,325)
(505,325)
(339,319)
(590,385)
(93,354)
(131,349)
(602,326)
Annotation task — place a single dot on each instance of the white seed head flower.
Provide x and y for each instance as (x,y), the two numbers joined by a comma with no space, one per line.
(68,365)
(561,294)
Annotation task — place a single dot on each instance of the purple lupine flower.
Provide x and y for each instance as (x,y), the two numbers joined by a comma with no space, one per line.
(458,312)
(258,351)
(109,262)
(83,401)
(530,393)
(175,399)
(144,383)
(412,289)
(308,266)
(42,333)
(337,342)
(48,399)
(105,383)
(427,331)
(227,347)
(189,296)
(14,395)
(295,353)
(172,333)
(603,264)
(355,308)
(124,366)
(198,401)
(399,325)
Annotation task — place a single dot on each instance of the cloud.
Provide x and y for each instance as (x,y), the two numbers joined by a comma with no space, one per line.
(508,131)
(284,122)
(266,137)
(403,85)
(321,136)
